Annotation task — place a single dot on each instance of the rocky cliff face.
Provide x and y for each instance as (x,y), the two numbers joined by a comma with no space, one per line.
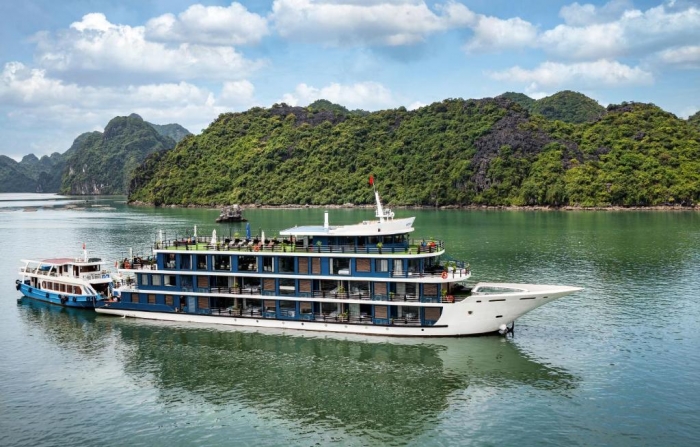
(103,162)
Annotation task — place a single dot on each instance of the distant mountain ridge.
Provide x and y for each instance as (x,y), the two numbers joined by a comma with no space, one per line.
(102,162)
(123,146)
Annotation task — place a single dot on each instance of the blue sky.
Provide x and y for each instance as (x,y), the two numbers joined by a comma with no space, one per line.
(69,66)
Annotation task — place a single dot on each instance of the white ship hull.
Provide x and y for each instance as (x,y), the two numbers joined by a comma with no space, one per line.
(480,313)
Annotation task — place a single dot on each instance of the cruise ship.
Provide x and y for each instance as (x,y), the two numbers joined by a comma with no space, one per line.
(367,278)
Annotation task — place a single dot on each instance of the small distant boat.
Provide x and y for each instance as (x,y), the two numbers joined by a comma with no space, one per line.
(233,213)
(70,282)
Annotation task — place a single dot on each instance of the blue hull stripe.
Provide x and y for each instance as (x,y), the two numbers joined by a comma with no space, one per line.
(50,296)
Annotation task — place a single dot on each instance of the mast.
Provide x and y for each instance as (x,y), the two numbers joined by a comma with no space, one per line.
(381,212)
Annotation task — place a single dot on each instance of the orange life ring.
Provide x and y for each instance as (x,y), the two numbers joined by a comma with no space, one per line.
(450,299)
(444,275)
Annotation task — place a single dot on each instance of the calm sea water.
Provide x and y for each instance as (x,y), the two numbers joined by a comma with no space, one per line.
(617,364)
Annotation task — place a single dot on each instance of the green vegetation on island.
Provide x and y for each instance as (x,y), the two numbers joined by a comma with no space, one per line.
(453,153)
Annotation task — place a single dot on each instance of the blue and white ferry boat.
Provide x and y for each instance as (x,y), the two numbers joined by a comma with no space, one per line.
(367,278)
(70,282)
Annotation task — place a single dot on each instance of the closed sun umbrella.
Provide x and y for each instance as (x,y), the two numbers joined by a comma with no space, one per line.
(247,230)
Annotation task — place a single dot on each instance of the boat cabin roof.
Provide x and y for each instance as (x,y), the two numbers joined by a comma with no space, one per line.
(66,261)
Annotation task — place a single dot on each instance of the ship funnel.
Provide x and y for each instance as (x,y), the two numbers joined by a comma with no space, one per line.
(325,219)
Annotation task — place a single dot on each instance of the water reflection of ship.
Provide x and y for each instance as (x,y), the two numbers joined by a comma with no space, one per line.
(383,390)
(67,327)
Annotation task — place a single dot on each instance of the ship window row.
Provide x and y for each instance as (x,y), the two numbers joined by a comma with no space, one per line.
(60,287)
(299,265)
(359,313)
(317,288)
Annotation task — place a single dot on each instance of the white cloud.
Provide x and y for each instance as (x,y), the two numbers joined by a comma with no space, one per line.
(363,95)
(20,85)
(587,14)
(45,106)
(416,105)
(239,93)
(98,46)
(209,25)
(494,34)
(685,57)
(351,23)
(635,32)
(602,73)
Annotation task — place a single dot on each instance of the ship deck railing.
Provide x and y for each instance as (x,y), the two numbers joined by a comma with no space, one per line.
(364,296)
(458,273)
(331,317)
(53,274)
(277,246)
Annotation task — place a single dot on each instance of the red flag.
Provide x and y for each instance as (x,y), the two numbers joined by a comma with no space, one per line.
(371,180)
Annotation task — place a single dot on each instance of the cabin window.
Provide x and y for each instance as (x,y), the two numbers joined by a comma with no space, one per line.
(151,299)
(247,263)
(222,262)
(406,290)
(170,261)
(170,280)
(144,279)
(287,264)
(288,309)
(220,283)
(359,289)
(78,290)
(201,262)
(63,287)
(169,300)
(186,283)
(157,280)
(268,263)
(250,285)
(340,266)
(381,265)
(288,287)
(186,262)
(331,310)
(305,307)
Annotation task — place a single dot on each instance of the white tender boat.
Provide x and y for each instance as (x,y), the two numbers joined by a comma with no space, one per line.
(70,282)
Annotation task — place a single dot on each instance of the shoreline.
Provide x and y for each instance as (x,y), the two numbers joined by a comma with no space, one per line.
(445,207)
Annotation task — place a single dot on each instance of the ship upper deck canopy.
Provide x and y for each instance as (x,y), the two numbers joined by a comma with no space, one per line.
(366,228)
